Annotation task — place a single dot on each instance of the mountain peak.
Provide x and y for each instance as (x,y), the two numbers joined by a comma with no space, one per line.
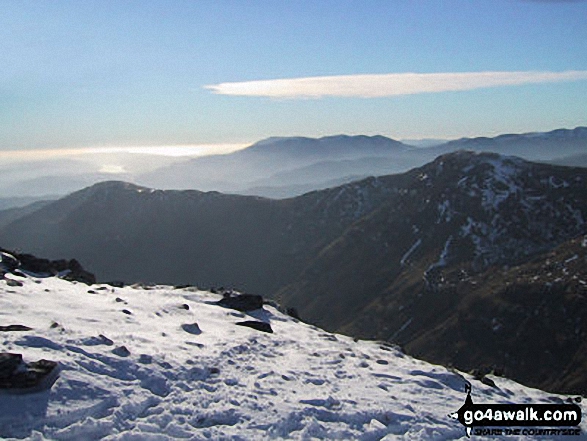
(334,144)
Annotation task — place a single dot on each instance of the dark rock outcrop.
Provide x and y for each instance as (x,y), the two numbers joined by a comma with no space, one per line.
(8,262)
(13,328)
(16,376)
(17,262)
(259,326)
(241,302)
(191,328)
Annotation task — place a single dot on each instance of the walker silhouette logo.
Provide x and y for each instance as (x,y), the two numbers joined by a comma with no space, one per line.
(515,419)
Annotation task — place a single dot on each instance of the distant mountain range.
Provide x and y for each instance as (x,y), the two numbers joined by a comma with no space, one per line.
(286,167)
(275,167)
(453,259)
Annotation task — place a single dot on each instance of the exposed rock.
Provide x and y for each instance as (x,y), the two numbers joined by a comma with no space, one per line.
(11,328)
(121,351)
(16,376)
(17,262)
(116,284)
(259,326)
(192,328)
(241,302)
(293,312)
(12,282)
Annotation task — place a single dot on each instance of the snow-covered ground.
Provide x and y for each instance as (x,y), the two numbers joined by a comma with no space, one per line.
(137,364)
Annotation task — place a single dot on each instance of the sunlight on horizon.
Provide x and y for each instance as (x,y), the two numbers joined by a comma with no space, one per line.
(169,151)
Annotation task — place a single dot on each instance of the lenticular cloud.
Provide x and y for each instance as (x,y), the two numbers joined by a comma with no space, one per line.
(385,85)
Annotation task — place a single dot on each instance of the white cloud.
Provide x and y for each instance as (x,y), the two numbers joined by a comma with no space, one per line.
(385,85)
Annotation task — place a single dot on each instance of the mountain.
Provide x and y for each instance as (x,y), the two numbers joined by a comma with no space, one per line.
(391,275)
(578,160)
(539,146)
(287,167)
(261,164)
(163,363)
(370,258)
(540,302)
(19,202)
(275,167)
(45,176)
(9,215)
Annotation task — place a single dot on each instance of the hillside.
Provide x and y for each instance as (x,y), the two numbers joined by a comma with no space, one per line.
(162,363)
(401,273)
(370,258)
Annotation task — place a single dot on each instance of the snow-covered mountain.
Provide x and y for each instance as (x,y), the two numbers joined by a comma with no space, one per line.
(157,363)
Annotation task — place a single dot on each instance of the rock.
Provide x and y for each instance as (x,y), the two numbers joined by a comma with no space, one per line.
(9,363)
(145,359)
(77,273)
(121,351)
(241,302)
(293,312)
(488,382)
(11,328)
(8,262)
(12,282)
(192,328)
(99,340)
(116,284)
(259,326)
(16,376)
(16,262)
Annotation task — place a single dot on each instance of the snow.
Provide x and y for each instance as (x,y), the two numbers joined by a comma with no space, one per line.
(177,367)
(505,170)
(442,259)
(444,212)
(410,251)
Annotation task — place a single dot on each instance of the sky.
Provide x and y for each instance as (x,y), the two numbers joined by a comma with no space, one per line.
(83,74)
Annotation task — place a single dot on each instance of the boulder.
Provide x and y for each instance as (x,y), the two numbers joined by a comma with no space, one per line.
(16,376)
(8,262)
(13,328)
(259,326)
(241,302)
(14,262)
(191,328)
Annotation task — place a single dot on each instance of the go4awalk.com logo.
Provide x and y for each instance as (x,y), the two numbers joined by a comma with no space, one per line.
(518,419)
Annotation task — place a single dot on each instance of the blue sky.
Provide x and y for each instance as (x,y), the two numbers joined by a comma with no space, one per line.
(82,73)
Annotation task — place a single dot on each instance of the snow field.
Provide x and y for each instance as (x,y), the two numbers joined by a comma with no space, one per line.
(164,363)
